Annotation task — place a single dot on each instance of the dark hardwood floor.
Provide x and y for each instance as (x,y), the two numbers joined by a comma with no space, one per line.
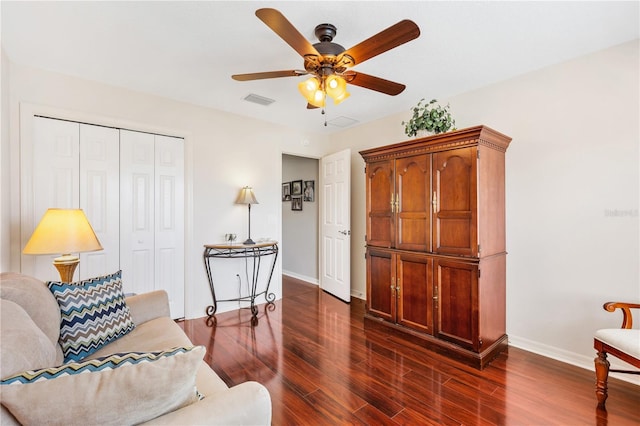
(322,368)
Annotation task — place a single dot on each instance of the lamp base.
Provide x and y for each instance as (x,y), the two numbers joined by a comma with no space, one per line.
(248,241)
(66,266)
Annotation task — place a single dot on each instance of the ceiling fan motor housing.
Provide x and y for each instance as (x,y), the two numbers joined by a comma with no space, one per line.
(329,51)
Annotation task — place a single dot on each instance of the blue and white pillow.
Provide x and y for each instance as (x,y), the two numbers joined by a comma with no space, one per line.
(104,363)
(93,312)
(124,388)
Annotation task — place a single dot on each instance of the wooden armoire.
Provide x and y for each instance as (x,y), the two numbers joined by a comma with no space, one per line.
(436,255)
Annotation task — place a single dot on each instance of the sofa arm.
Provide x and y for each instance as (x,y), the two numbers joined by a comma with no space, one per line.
(147,306)
(248,403)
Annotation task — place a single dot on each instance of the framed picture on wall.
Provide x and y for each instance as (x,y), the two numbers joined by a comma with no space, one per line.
(309,190)
(296,188)
(286,191)
(296,203)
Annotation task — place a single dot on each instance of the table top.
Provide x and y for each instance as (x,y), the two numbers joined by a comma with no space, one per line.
(240,246)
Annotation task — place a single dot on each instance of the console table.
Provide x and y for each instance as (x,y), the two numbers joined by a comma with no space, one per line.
(256,252)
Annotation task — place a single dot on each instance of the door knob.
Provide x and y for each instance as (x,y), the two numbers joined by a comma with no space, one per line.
(345,232)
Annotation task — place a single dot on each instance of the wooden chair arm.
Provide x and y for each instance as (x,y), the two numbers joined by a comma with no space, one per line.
(627,318)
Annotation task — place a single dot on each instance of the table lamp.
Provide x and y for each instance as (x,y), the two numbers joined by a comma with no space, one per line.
(247,197)
(63,231)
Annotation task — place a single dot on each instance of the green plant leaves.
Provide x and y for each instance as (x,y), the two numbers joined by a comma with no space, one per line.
(431,117)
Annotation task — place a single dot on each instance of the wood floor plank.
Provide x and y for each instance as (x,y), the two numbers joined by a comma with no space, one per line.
(322,367)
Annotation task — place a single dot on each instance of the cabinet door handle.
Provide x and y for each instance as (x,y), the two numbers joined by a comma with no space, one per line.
(397,203)
(392,203)
(434,202)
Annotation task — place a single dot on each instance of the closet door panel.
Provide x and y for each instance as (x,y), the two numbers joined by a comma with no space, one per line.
(55,183)
(169,220)
(99,197)
(137,219)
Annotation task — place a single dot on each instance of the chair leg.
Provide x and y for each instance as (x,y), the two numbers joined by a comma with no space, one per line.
(602,374)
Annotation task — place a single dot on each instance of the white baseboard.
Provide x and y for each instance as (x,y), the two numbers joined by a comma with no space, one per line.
(572,358)
(310,280)
(315,281)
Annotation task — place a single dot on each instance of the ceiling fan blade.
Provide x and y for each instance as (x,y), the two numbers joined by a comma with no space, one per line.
(393,36)
(374,83)
(309,106)
(268,74)
(281,26)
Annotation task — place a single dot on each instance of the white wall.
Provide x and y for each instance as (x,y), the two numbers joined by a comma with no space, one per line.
(572,195)
(224,152)
(300,228)
(5,176)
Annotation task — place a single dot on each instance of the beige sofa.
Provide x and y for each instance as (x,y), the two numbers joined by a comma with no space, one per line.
(30,329)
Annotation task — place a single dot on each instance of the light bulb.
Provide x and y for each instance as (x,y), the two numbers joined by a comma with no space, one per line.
(317,99)
(337,88)
(308,88)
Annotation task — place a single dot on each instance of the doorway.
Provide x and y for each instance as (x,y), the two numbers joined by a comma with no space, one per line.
(300,218)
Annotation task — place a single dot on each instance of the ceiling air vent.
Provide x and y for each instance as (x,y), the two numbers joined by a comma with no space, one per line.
(342,121)
(257,99)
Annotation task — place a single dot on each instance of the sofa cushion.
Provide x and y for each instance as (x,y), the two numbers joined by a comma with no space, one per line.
(34,297)
(120,389)
(154,335)
(94,313)
(24,346)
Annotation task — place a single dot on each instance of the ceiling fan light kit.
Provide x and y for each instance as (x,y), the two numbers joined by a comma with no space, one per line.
(328,62)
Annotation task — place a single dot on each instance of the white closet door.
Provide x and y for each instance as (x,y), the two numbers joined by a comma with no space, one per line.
(99,197)
(56,175)
(169,220)
(137,241)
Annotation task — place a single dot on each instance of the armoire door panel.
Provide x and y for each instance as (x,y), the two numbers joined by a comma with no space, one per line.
(381,284)
(412,177)
(99,197)
(455,207)
(457,286)
(415,294)
(380,204)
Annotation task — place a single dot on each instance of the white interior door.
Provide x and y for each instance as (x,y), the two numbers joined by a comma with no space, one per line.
(56,176)
(335,224)
(169,220)
(99,197)
(137,239)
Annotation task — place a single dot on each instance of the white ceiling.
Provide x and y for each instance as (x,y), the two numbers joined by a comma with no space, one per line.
(188,50)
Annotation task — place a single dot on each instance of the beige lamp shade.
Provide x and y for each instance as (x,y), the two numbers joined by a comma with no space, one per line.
(63,231)
(246,196)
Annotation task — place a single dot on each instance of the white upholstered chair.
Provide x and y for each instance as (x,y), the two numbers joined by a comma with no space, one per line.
(623,343)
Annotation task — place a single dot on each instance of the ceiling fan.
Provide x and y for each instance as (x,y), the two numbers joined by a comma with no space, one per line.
(329,63)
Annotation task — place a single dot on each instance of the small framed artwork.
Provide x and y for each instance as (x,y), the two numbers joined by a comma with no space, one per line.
(296,188)
(296,203)
(286,191)
(309,190)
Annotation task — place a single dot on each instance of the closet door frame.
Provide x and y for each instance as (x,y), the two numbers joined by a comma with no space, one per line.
(22,166)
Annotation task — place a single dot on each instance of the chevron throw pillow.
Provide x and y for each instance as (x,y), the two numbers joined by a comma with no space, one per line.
(123,388)
(93,312)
